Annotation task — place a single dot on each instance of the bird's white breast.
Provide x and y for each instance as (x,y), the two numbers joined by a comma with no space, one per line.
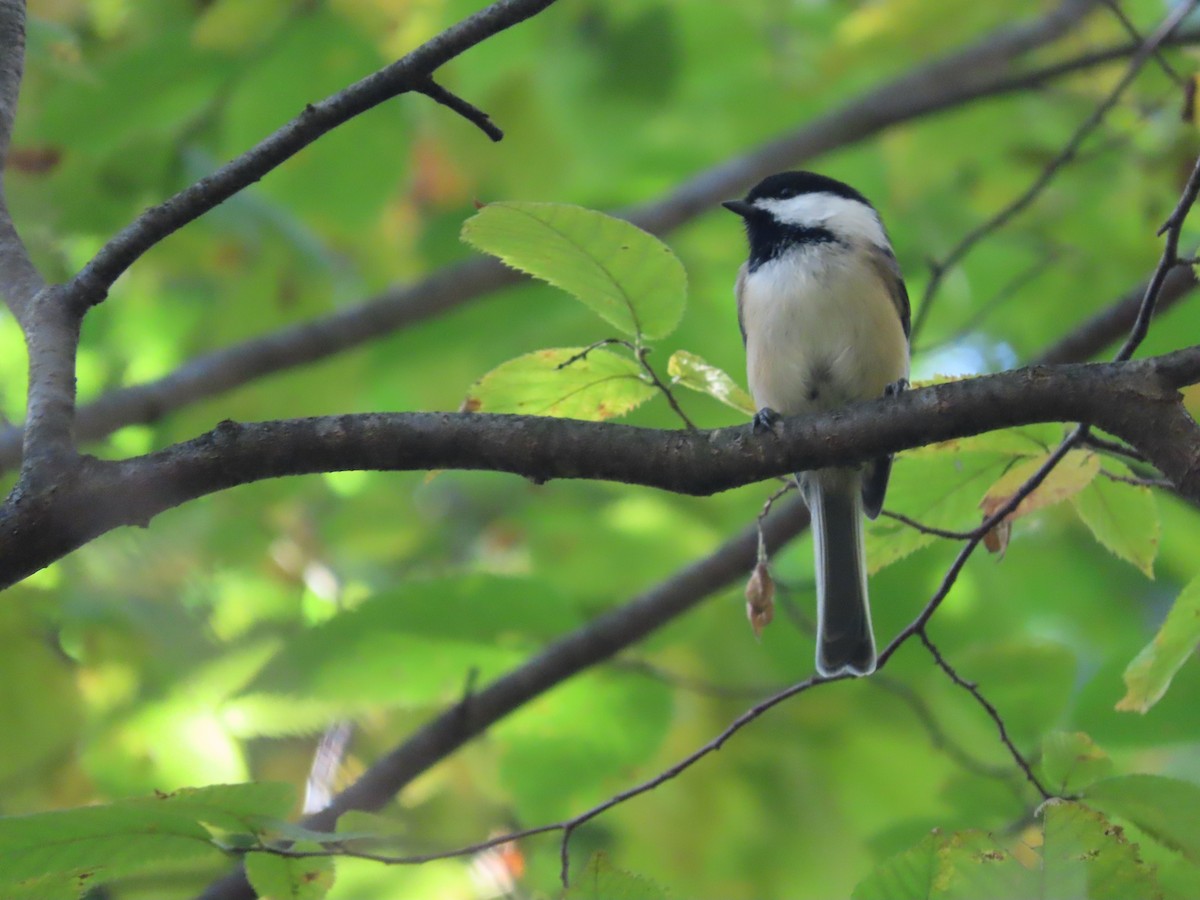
(821,330)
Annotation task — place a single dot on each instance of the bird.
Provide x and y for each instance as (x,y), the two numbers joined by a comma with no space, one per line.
(825,321)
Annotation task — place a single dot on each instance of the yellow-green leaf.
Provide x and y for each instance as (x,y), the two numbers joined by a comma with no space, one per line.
(1077,854)
(600,880)
(285,878)
(692,372)
(597,386)
(1086,856)
(1122,517)
(1149,675)
(1164,808)
(1075,472)
(627,276)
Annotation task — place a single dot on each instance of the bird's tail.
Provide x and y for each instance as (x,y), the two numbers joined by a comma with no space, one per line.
(845,643)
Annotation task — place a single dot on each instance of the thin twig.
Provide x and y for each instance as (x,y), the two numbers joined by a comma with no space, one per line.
(1170,256)
(1048,172)
(973,690)
(595,345)
(642,352)
(1132,31)
(701,686)
(1115,447)
(762,516)
(468,111)
(929,529)
(1161,483)
(937,735)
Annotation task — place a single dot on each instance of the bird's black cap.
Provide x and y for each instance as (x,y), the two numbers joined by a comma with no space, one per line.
(792,184)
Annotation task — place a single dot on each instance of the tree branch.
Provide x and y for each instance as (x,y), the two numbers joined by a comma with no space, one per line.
(1136,401)
(19,280)
(468,111)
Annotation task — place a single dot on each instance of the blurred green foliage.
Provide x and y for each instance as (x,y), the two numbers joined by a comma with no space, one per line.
(214,646)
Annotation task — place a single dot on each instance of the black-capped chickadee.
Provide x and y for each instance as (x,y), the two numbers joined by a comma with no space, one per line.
(825,320)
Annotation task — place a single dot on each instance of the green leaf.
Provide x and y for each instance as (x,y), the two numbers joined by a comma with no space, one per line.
(1150,673)
(1071,761)
(600,880)
(276,877)
(1123,517)
(555,383)
(98,842)
(232,807)
(1164,808)
(628,277)
(908,874)
(692,372)
(975,866)
(1086,856)
(1081,856)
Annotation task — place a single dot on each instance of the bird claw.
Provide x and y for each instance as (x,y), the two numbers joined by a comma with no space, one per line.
(766,419)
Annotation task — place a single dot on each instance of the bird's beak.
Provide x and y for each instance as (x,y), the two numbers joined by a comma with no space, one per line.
(741,207)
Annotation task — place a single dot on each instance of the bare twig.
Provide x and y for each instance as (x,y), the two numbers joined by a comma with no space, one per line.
(595,345)
(1161,483)
(468,111)
(641,353)
(1143,54)
(701,686)
(762,517)
(1114,447)
(1170,257)
(929,529)
(1132,31)
(937,735)
(973,690)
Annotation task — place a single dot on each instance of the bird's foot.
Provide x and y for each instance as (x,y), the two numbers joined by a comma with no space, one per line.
(766,419)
